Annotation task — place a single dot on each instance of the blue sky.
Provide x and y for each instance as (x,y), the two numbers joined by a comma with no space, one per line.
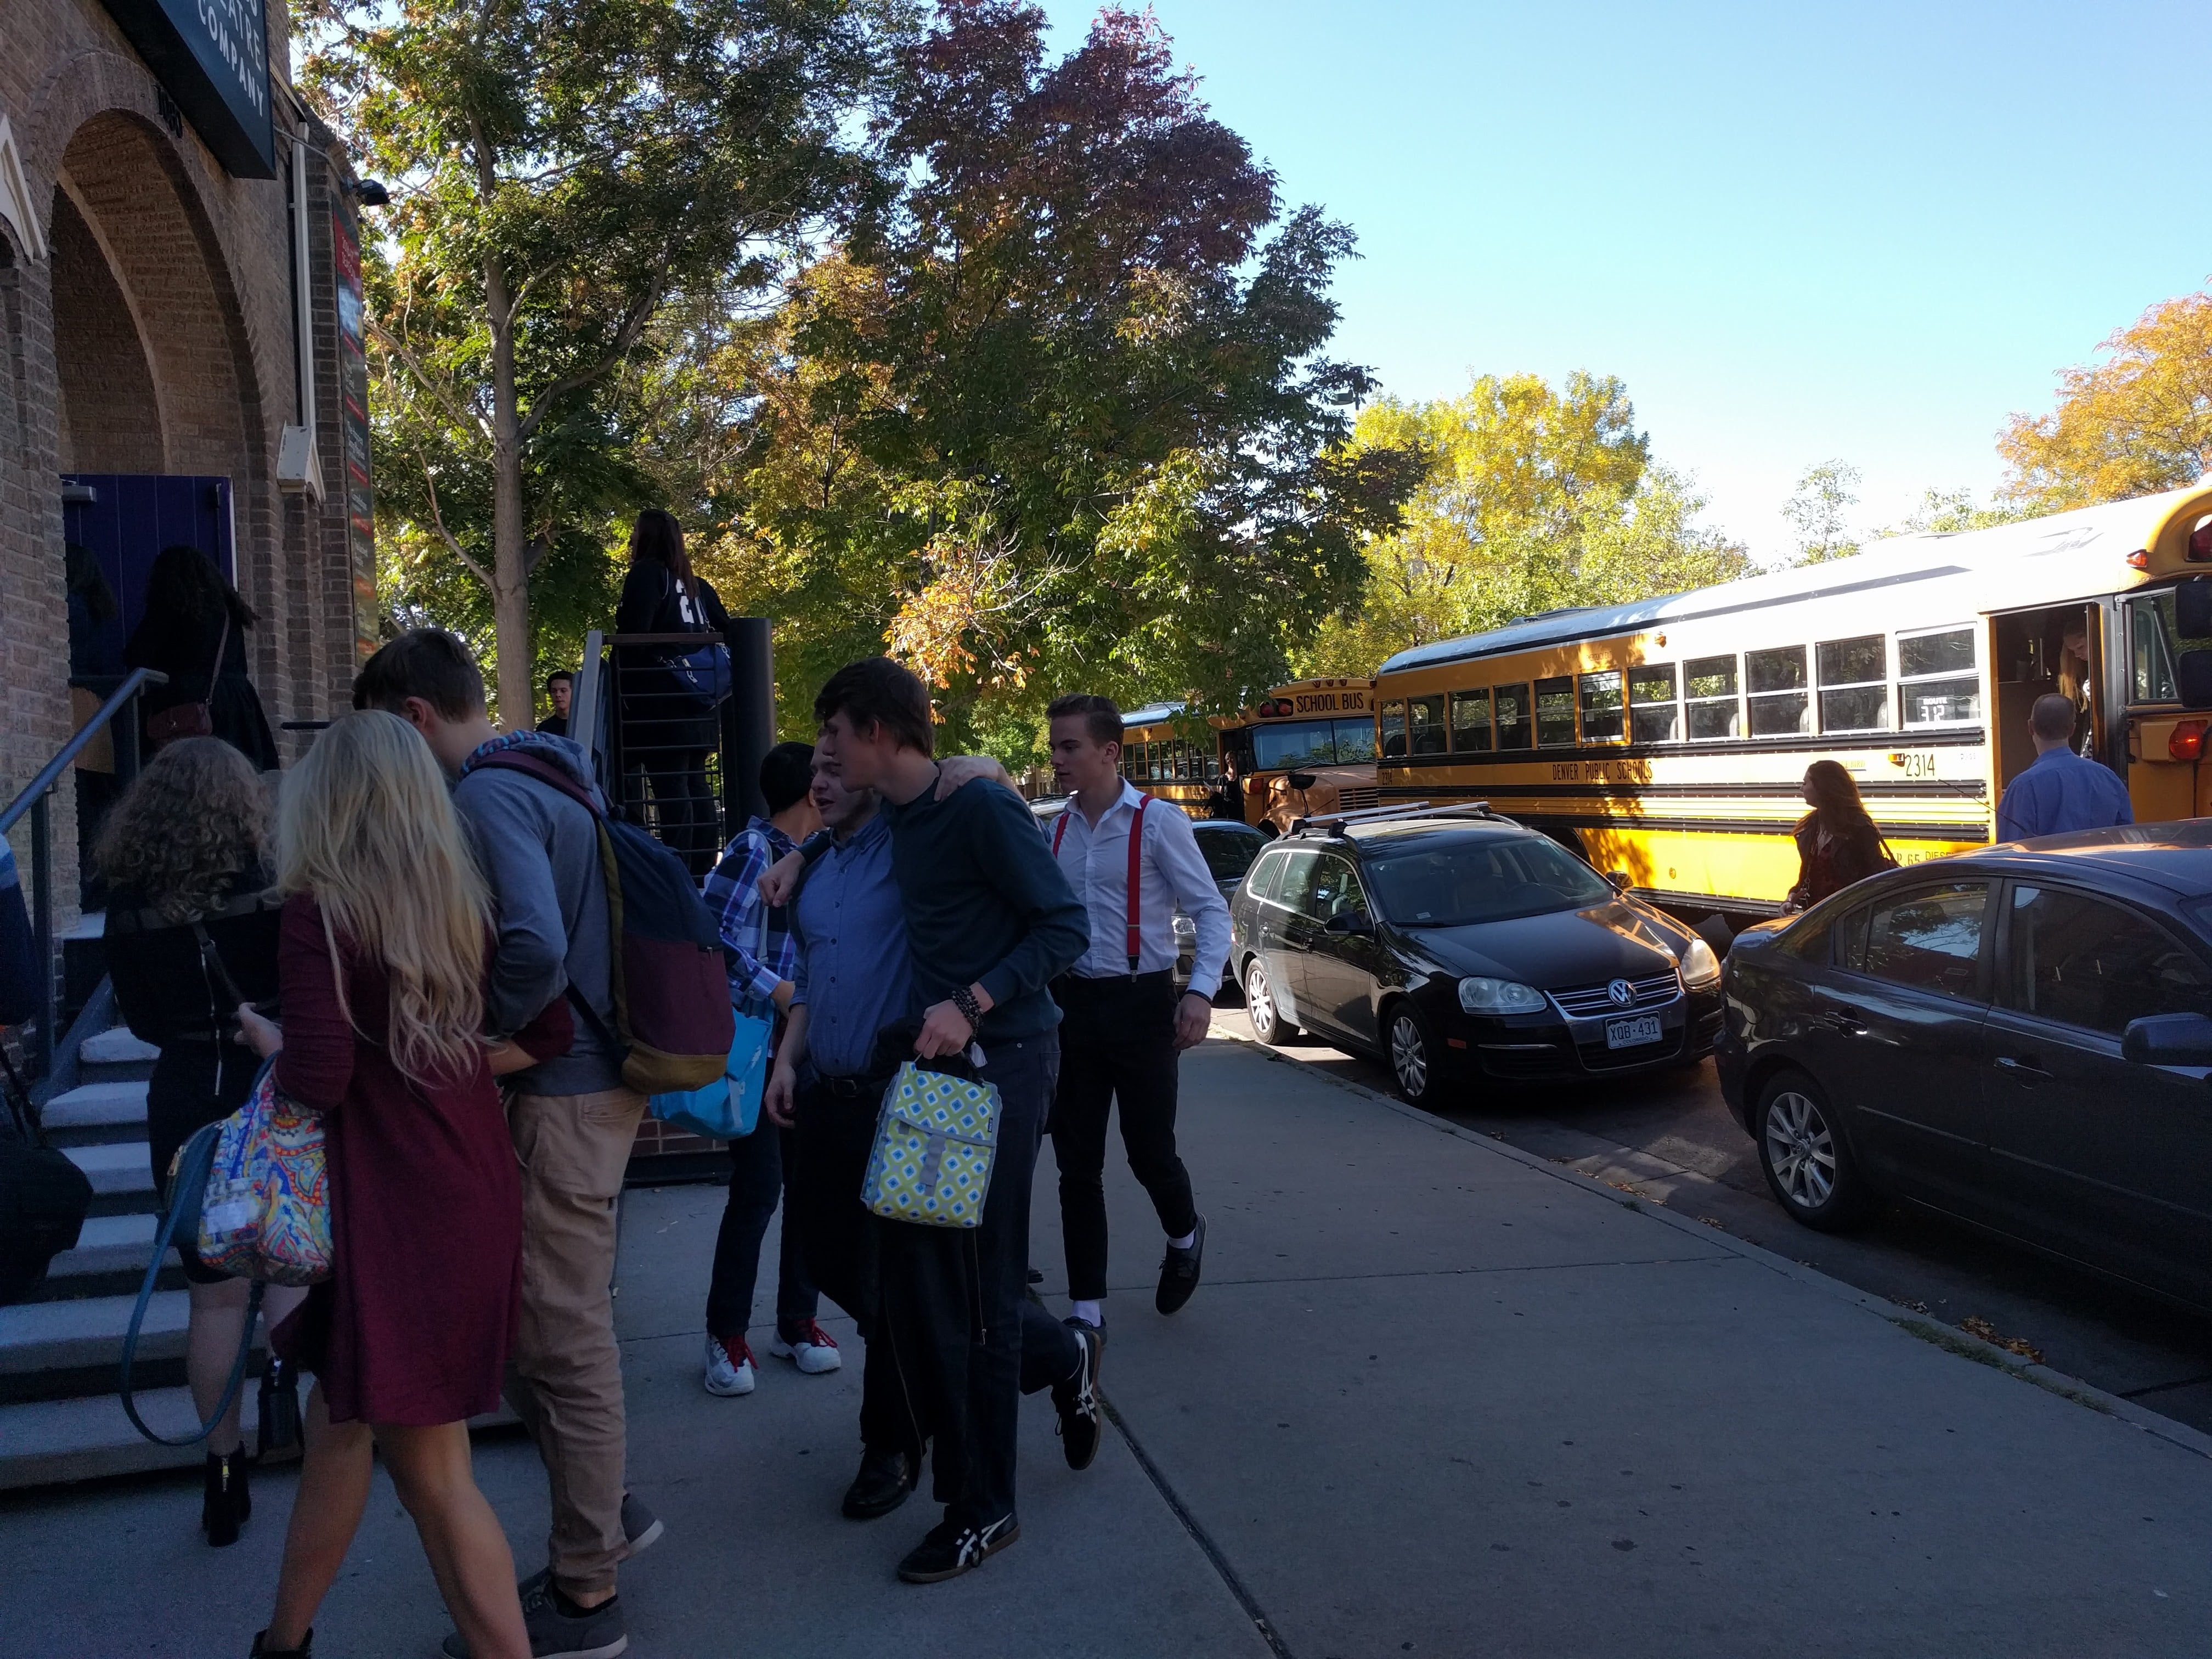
(1865,232)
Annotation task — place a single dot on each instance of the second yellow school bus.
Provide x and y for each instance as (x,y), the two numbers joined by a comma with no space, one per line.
(1323,729)
(1669,738)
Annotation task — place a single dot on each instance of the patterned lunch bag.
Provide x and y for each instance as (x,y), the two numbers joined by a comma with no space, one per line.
(935,1142)
(266,1214)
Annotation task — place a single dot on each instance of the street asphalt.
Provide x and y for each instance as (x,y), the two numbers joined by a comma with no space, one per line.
(1436,1396)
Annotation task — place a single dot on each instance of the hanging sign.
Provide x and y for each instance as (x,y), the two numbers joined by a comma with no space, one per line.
(212,57)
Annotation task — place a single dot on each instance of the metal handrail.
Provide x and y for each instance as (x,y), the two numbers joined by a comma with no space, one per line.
(31,801)
(51,773)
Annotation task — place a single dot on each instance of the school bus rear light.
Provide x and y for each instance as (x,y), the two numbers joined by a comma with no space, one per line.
(2187,741)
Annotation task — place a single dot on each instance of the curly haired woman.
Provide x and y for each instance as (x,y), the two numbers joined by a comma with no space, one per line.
(183,855)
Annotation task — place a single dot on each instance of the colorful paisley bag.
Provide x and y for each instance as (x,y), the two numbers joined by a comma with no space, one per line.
(266,1211)
(935,1142)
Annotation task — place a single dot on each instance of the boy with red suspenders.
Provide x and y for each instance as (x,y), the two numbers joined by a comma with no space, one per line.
(1122,1024)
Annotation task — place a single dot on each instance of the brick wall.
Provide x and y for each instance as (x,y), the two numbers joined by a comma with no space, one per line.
(164,308)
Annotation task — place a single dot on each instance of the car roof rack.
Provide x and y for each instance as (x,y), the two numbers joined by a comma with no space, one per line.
(1335,823)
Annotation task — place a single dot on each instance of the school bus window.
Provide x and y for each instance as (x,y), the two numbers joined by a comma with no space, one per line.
(1775,679)
(1425,718)
(1601,712)
(1854,684)
(1512,716)
(1393,725)
(1470,722)
(1937,683)
(1653,715)
(1555,711)
(1355,741)
(1709,686)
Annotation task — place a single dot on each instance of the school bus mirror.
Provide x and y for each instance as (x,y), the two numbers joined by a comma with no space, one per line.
(2192,607)
(1619,878)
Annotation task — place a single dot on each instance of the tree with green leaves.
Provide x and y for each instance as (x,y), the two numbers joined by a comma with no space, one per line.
(1058,413)
(567,176)
(1819,508)
(1532,498)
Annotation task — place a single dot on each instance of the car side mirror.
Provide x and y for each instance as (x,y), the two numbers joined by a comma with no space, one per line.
(1357,923)
(1618,879)
(2168,1040)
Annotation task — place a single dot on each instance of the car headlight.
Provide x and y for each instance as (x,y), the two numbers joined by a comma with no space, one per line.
(1185,930)
(1700,967)
(1500,996)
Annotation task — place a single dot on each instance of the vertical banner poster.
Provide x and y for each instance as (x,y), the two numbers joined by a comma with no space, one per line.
(353,424)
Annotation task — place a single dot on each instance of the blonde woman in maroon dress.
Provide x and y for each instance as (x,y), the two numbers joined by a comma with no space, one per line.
(381,960)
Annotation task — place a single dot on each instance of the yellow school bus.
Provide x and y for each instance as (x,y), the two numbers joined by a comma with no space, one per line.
(1321,732)
(1161,760)
(1669,738)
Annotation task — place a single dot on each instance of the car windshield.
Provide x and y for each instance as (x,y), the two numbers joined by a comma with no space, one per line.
(1229,853)
(1491,879)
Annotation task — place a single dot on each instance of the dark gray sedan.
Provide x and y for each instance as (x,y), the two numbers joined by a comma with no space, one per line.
(2021,1037)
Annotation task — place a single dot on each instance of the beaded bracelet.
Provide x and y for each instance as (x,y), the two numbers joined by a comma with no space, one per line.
(971,1010)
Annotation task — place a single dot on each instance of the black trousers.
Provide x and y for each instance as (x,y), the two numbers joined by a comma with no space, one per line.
(1117,1044)
(956,1302)
(835,1131)
(761,1164)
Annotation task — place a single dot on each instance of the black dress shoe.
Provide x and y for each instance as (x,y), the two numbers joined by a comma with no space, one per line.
(225,1503)
(1179,1272)
(263,1650)
(885,1480)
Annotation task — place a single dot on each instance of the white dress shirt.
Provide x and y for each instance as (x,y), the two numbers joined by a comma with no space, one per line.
(1171,872)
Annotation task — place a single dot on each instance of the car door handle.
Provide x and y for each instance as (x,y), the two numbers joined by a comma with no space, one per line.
(2025,1066)
(1845,1020)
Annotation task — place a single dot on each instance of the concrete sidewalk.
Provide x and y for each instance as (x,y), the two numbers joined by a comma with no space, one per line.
(1435,1397)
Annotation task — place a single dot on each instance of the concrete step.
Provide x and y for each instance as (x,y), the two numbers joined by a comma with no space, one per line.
(122,1180)
(117,1047)
(45,1442)
(41,1336)
(109,1260)
(114,1055)
(110,1109)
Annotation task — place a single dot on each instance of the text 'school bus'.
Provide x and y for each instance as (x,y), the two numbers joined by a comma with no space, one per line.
(1668,739)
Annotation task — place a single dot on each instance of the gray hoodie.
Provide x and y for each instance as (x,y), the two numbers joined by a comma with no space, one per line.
(540,852)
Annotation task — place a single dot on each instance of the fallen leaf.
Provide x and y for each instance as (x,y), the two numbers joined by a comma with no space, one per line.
(1714,1221)
(1975,1325)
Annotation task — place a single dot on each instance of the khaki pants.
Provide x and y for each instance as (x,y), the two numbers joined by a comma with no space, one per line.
(566,1377)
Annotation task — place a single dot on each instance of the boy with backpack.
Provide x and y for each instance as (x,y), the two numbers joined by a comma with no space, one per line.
(538,824)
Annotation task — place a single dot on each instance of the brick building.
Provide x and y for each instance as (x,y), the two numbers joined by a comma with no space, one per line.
(172,229)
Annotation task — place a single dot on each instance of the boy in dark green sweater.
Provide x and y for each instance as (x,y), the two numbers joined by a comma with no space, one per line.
(990,921)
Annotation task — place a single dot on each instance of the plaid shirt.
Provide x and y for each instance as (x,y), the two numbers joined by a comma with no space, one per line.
(756,942)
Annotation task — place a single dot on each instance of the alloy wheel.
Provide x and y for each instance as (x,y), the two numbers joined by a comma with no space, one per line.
(1260,1001)
(1409,1057)
(1801,1149)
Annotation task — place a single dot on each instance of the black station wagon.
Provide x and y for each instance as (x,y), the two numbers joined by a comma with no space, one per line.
(2021,1037)
(1460,947)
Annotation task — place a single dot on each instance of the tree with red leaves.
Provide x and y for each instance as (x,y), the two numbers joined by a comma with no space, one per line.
(1057,413)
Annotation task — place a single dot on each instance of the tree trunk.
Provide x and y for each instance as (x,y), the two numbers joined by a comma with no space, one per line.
(510,593)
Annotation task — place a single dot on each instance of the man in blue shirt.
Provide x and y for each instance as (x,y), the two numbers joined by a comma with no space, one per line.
(2061,791)
(851,979)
